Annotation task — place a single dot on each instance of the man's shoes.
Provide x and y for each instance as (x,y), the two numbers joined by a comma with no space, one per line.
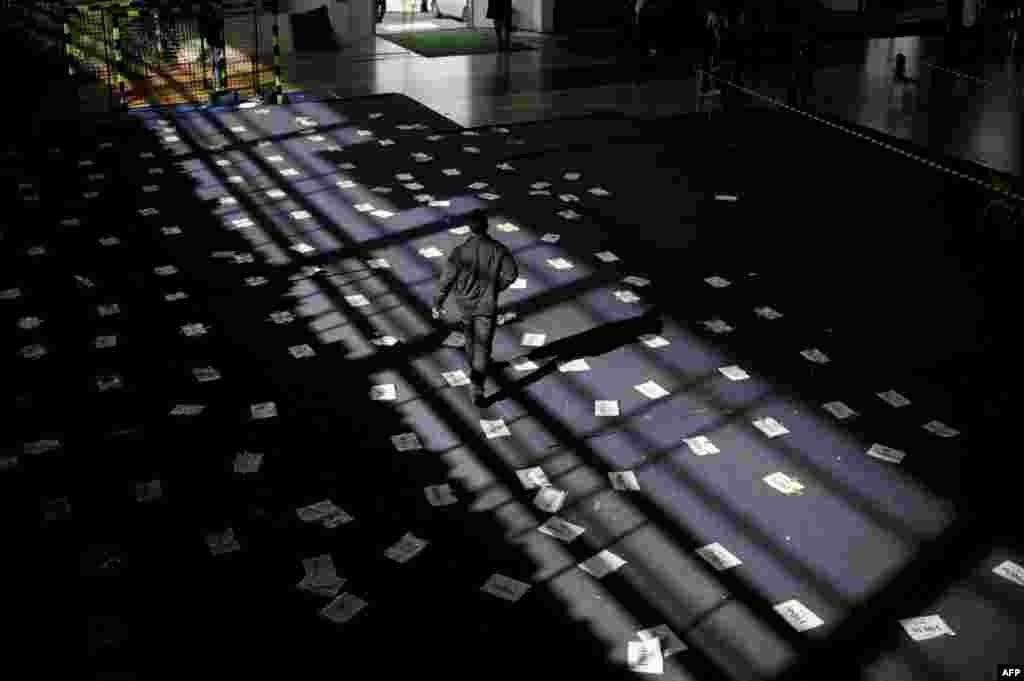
(478,396)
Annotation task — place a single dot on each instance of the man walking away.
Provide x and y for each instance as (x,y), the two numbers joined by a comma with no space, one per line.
(477,271)
(501,12)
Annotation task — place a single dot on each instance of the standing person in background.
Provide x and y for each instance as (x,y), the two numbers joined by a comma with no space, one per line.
(712,44)
(211,27)
(500,11)
(477,270)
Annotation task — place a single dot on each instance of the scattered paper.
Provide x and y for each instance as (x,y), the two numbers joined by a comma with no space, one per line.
(560,529)
(636,281)
(574,365)
(551,238)
(505,587)
(670,643)
(302,351)
(884,453)
(487,196)
(770,427)
(1011,571)
(263,410)
(569,198)
(651,390)
(386,341)
(893,398)
(494,428)
(193,329)
(146,492)
(382,214)
(734,373)
(172,230)
(572,176)
(222,542)
(560,264)
(701,445)
(357,300)
(406,548)
(248,462)
(440,495)
(108,310)
(346,184)
(431,252)
(206,374)
(324,512)
(347,166)
(534,340)
(519,283)
(343,608)
(34,351)
(224,201)
(471,150)
(456,378)
(532,478)
(364,207)
(624,481)
(607,256)
(569,214)
(384,392)
(718,556)
(784,483)
(606,408)
(549,499)
(187,410)
(451,172)
(540,185)
(507,227)
(387,142)
(798,615)
(717,282)
(815,355)
(602,564)
(927,627)
(523,364)
(646,656)
(255,281)
(300,215)
(406,442)
(165,270)
(40,446)
(840,410)
(625,296)
(440,204)
(540,192)
(290,172)
(303,248)
(941,429)
(423,198)
(321,576)
(598,191)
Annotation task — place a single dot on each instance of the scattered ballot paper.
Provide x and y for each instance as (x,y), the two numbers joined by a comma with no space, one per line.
(494,428)
(174,230)
(302,351)
(893,398)
(29,323)
(247,462)
(488,196)
(653,341)
(1011,571)
(357,300)
(770,427)
(524,364)
(507,227)
(886,453)
(505,166)
(347,166)
(222,542)
(734,373)
(927,627)
(413,186)
(321,577)
(404,177)
(471,150)
(451,172)
(40,447)
(718,556)
(574,365)
(146,492)
(406,548)
(440,204)
(798,615)
(569,198)
(625,296)
(519,283)
(540,185)
(382,214)
(569,214)
(645,657)
(551,238)
(560,264)
(300,215)
(344,184)
(941,429)
(840,410)
(193,329)
(602,564)
(440,495)
(505,587)
(726,197)
(384,392)
(387,142)
(325,513)
(549,499)
(560,529)
(532,478)
(108,310)
(206,374)
(701,445)
(636,281)
(607,256)
(624,481)
(598,191)
(767,313)
(455,378)
(651,390)
(670,643)
(386,341)
(34,351)
(540,192)
(223,162)
(303,248)
(290,172)
(431,252)
(364,207)
(606,407)
(534,340)
(165,270)
(718,326)
(423,198)
(717,282)
(378,264)
(255,281)
(263,410)
(572,176)
(343,608)
(406,442)
(784,483)
(187,410)
(815,355)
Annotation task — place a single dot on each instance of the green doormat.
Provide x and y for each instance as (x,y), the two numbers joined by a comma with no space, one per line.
(450,43)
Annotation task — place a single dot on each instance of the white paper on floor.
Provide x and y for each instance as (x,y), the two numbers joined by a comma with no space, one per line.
(574,365)
(455,378)
(653,341)
(148,491)
(533,477)
(651,390)
(243,258)
(505,587)
(464,229)
(625,296)
(364,207)
(406,548)
(717,282)
(636,281)
(440,204)
(767,313)
(645,657)
(798,615)
(451,172)
(560,264)
(301,351)
(624,481)
(606,407)
(406,442)
(569,198)
(364,133)
(378,264)
(404,177)
(255,281)
(413,186)
(34,351)
(540,185)
(440,495)
(784,483)
(290,172)
(108,310)
(893,398)
(815,355)
(505,166)
(602,564)
(321,578)
(166,231)
(523,364)
(840,410)
(477,186)
(560,529)
(386,341)
(149,212)
(40,446)
(303,248)
(599,191)
(549,499)
(343,608)
(382,214)
(247,462)
(165,270)
(540,192)
(384,391)
(434,138)
(941,429)
(345,184)
(551,238)
(519,283)
(487,196)
(387,142)
(670,643)
(494,428)
(534,339)
(431,252)
(222,542)
(263,410)
(357,300)
(420,157)
(10,294)
(571,176)
(927,627)
(569,214)
(734,373)
(884,453)
(187,409)
(206,374)
(90,195)
(718,556)
(29,323)
(770,427)
(507,227)
(471,150)
(1011,571)
(718,326)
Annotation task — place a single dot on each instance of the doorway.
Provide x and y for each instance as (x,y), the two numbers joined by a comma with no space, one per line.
(398,16)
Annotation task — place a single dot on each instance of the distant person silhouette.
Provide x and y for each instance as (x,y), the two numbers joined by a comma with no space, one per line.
(477,270)
(500,11)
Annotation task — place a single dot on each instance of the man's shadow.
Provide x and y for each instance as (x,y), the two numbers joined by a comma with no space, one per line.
(592,343)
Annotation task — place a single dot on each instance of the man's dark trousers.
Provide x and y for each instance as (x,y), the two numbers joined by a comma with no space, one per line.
(479,332)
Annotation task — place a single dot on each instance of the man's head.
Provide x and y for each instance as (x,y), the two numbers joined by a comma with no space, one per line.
(477,221)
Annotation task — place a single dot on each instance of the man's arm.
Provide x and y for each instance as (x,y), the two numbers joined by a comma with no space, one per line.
(509,271)
(451,268)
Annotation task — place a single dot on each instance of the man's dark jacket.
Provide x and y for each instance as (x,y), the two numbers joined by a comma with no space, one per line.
(476,272)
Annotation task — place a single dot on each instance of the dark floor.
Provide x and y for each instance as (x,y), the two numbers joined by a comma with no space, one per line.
(871,256)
